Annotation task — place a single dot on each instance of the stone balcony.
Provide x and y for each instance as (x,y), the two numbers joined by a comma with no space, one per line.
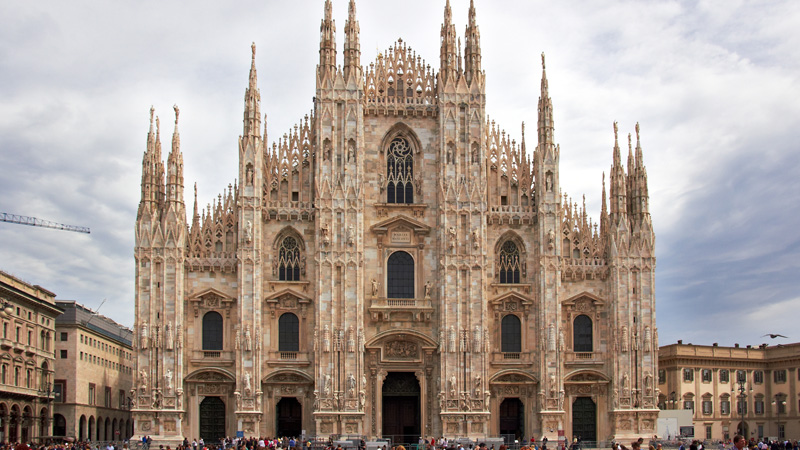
(583,358)
(401,309)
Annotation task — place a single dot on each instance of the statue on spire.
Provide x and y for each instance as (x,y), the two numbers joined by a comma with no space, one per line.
(543,61)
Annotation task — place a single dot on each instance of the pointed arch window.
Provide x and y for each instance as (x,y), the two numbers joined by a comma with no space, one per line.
(509,263)
(399,172)
(400,277)
(289,260)
(511,334)
(212,331)
(288,333)
(582,334)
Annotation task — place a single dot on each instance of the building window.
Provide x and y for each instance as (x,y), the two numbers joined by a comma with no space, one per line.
(725,406)
(780,403)
(708,407)
(779,376)
(212,331)
(288,333)
(510,334)
(724,376)
(30,337)
(5,332)
(122,404)
(63,354)
(16,376)
(289,260)
(741,375)
(18,336)
(741,407)
(758,405)
(688,375)
(509,263)
(758,377)
(781,431)
(760,431)
(708,431)
(706,375)
(662,376)
(108,397)
(91,394)
(4,373)
(399,172)
(582,334)
(59,390)
(28,377)
(688,404)
(400,279)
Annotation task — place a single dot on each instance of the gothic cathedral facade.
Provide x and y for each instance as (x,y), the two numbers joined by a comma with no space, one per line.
(396,265)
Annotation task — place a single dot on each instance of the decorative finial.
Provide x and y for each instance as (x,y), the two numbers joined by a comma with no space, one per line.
(637,131)
(629,140)
(615,130)
(158,124)
(542,60)
(177,113)
(253,49)
(152,111)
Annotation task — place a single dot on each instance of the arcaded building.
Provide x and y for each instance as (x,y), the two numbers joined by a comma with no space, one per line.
(397,265)
(753,391)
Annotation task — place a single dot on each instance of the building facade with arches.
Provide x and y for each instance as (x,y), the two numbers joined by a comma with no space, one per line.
(28,314)
(396,265)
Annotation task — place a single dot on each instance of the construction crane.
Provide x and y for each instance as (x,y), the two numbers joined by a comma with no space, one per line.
(34,222)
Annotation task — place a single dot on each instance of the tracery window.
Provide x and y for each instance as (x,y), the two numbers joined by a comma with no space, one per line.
(511,334)
(212,331)
(400,278)
(582,334)
(399,172)
(288,333)
(509,263)
(289,260)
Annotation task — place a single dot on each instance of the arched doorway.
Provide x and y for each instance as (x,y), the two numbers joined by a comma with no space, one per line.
(742,429)
(13,424)
(289,414)
(584,419)
(60,425)
(401,407)
(212,419)
(91,435)
(512,419)
(82,429)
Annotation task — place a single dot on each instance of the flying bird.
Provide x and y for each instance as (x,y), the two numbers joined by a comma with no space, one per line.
(773,336)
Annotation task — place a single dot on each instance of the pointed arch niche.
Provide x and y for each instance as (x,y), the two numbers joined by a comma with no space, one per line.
(582,314)
(288,261)
(510,264)
(400,173)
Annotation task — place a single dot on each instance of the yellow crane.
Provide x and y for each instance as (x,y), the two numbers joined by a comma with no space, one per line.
(34,222)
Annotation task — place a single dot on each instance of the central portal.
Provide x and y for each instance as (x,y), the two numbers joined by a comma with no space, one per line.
(212,419)
(401,408)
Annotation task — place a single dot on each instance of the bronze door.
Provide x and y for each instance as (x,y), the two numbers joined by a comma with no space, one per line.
(212,419)
(290,417)
(584,419)
(401,408)
(512,418)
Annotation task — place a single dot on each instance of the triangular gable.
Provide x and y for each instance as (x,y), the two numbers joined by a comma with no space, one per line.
(398,221)
(211,293)
(596,301)
(512,296)
(275,296)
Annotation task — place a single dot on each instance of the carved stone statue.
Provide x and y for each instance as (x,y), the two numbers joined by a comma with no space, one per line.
(258,338)
(442,341)
(327,385)
(452,386)
(248,232)
(351,385)
(428,287)
(486,342)
(143,339)
(451,237)
(551,338)
(561,400)
(551,240)
(326,340)
(351,235)
(248,387)
(169,341)
(374,287)
(624,340)
(476,239)
(168,380)
(325,232)
(143,381)
(553,387)
(361,340)
(248,341)
(238,396)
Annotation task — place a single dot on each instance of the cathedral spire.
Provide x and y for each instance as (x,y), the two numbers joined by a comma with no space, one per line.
(642,191)
(352,43)
(618,196)
(195,216)
(472,50)
(448,64)
(545,110)
(175,166)
(152,169)
(327,43)
(603,209)
(252,100)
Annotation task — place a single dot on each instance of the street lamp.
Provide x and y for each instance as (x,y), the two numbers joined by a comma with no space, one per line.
(780,407)
(743,389)
(6,308)
(673,398)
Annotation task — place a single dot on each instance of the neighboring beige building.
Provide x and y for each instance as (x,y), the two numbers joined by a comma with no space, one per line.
(94,372)
(28,314)
(705,378)
(396,265)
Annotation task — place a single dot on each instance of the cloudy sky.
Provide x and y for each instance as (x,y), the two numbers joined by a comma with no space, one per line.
(714,85)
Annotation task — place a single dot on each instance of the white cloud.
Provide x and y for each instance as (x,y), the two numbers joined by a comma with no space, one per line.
(712,84)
